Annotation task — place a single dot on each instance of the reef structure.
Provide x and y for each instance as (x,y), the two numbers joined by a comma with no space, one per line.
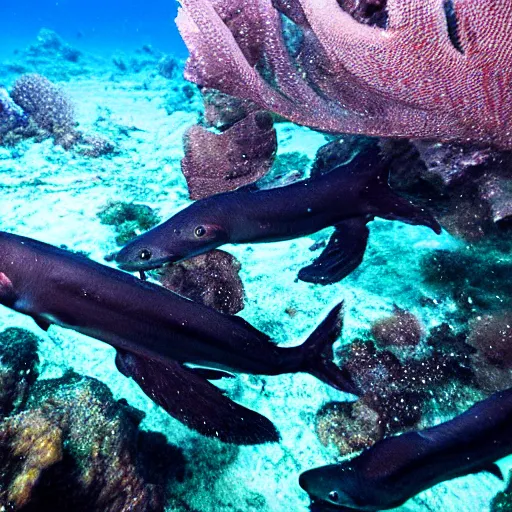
(432,72)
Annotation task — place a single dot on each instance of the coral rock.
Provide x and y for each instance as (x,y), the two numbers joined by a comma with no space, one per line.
(497,192)
(211,279)
(348,426)
(129,219)
(75,448)
(433,72)
(220,162)
(29,444)
(11,115)
(46,104)
(18,367)
(223,111)
(402,329)
(491,336)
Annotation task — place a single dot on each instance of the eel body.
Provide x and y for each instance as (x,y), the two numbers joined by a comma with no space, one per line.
(156,332)
(397,468)
(347,197)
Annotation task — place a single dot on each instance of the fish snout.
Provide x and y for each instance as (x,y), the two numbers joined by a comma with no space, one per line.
(135,258)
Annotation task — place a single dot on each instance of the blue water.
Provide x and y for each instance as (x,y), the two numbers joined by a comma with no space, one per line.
(101,26)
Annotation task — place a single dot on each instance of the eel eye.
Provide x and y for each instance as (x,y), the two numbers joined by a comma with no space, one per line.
(200,231)
(333,496)
(145,254)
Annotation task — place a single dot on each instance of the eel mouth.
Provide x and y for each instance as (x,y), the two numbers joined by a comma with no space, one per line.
(138,266)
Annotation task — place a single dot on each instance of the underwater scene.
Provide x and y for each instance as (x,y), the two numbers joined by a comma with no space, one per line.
(255,255)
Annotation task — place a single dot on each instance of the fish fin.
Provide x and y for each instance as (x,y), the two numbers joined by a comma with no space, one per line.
(318,354)
(42,324)
(195,402)
(389,205)
(207,372)
(493,469)
(343,254)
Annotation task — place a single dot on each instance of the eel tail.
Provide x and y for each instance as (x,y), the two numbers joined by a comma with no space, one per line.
(387,204)
(317,354)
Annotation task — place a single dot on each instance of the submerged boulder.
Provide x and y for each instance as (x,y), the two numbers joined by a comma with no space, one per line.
(68,445)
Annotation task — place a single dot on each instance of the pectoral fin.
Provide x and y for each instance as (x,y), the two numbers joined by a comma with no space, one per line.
(195,402)
(343,254)
(493,469)
(42,324)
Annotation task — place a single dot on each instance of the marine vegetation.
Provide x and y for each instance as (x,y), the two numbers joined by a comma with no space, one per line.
(128,219)
(43,110)
(432,72)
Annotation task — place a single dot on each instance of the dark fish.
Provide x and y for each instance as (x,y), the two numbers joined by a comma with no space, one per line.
(347,197)
(156,331)
(397,468)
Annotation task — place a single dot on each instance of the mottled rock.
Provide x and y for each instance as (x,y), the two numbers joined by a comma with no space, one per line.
(129,219)
(350,427)
(497,192)
(491,336)
(76,448)
(402,329)
(18,367)
(211,279)
(222,110)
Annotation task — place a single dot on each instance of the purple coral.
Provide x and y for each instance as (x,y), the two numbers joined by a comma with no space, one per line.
(50,109)
(46,104)
(218,162)
(433,72)
(211,279)
(402,329)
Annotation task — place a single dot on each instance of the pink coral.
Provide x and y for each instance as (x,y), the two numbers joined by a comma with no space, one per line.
(218,162)
(438,70)
(402,329)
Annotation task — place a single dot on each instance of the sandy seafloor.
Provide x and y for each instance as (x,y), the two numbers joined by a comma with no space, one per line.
(54,196)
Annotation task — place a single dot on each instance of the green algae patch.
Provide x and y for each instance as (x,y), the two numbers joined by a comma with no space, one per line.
(128,219)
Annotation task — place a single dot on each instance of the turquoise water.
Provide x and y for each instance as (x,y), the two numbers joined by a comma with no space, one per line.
(120,68)
(99,26)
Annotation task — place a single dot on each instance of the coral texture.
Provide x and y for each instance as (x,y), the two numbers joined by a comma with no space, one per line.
(437,70)
(221,162)
(128,219)
(402,329)
(66,444)
(47,105)
(11,115)
(18,367)
(350,427)
(211,279)
(49,108)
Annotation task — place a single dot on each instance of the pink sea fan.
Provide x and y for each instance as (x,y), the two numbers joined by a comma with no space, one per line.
(218,162)
(439,69)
